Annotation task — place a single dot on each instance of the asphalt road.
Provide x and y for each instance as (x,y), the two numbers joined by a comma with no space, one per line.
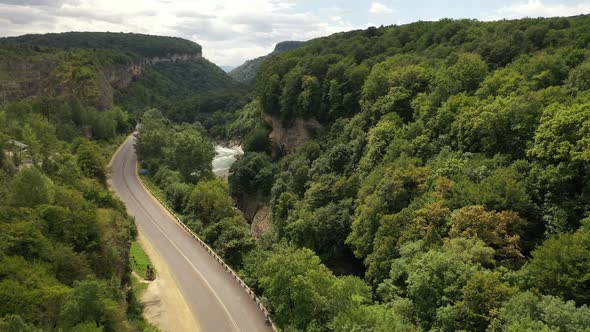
(216,300)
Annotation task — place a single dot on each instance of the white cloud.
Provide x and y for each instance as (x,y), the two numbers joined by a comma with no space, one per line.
(537,8)
(230,31)
(378,8)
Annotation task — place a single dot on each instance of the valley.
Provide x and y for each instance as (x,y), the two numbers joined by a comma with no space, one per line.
(429,176)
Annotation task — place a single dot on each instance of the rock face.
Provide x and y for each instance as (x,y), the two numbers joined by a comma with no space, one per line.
(290,139)
(24,78)
(262,222)
(30,78)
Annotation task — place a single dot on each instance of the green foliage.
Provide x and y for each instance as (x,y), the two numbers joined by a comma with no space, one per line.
(30,188)
(179,147)
(560,266)
(190,153)
(92,301)
(302,292)
(562,134)
(91,162)
(451,163)
(60,226)
(231,238)
(252,174)
(145,45)
(209,201)
(528,311)
(257,141)
(186,91)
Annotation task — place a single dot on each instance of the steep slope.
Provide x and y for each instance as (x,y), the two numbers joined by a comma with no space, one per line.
(181,89)
(64,237)
(247,72)
(451,165)
(139,71)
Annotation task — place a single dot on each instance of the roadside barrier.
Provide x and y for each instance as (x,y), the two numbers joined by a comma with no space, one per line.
(216,257)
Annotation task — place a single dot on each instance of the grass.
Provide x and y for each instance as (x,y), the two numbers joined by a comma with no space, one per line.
(138,286)
(139,259)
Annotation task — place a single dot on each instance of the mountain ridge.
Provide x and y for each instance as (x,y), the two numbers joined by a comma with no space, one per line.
(247,71)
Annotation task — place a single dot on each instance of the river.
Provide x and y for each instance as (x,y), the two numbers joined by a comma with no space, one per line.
(224,158)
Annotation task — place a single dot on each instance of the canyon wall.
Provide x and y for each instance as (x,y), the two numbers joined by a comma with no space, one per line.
(27,78)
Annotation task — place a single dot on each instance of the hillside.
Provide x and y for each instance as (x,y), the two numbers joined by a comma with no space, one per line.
(186,91)
(66,102)
(444,164)
(106,69)
(147,46)
(247,72)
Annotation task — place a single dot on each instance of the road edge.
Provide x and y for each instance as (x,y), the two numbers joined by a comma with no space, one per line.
(164,275)
(212,252)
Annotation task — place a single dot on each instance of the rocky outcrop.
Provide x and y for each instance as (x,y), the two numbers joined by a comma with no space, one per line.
(22,79)
(287,140)
(31,78)
(262,222)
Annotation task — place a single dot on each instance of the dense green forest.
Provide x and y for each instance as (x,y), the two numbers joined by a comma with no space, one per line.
(448,188)
(143,45)
(81,63)
(64,238)
(195,91)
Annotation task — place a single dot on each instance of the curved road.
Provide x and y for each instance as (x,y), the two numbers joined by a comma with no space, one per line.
(216,300)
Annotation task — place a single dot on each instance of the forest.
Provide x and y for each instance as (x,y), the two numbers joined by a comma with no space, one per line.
(448,188)
(140,44)
(64,238)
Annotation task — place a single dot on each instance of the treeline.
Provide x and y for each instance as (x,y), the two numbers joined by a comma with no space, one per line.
(451,174)
(64,237)
(140,44)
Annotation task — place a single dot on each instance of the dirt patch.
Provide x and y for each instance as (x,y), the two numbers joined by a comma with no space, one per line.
(163,302)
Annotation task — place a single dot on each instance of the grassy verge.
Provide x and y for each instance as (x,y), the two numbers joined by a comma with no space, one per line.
(139,260)
(138,286)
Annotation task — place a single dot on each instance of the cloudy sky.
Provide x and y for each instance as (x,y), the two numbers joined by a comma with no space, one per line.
(232,31)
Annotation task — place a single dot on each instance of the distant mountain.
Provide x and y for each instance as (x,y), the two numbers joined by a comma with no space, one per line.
(227,69)
(104,69)
(247,72)
(148,46)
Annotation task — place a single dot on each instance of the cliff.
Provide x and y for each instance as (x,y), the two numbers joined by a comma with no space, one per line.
(289,139)
(56,75)
(88,65)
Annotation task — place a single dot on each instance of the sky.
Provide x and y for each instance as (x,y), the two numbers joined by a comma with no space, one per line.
(232,31)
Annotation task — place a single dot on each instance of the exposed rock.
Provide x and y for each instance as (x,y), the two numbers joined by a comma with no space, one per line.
(250,205)
(289,140)
(262,222)
(31,78)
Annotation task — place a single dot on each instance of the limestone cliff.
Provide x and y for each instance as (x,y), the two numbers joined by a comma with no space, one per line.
(31,77)
(287,140)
